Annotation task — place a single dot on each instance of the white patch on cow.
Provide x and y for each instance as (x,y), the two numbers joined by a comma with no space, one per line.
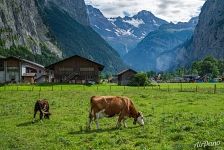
(101,114)
(140,120)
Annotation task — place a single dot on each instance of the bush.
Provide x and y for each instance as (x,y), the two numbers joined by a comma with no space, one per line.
(140,79)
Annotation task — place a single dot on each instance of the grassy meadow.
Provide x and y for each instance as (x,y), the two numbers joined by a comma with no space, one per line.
(177,116)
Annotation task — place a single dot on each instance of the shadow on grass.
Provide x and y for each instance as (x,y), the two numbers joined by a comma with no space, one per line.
(24,124)
(101,130)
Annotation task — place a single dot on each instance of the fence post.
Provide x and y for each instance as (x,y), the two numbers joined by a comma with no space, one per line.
(215,88)
(39,94)
(181,87)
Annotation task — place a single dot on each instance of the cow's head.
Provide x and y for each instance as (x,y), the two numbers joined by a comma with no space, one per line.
(47,115)
(139,119)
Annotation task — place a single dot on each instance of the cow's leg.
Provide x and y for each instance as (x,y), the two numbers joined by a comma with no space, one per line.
(91,117)
(34,115)
(41,115)
(96,120)
(125,125)
(120,118)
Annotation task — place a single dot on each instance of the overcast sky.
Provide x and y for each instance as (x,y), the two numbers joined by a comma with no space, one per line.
(170,10)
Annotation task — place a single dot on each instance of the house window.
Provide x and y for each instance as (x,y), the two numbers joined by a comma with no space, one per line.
(13,69)
(1,65)
(87,69)
(39,71)
(65,69)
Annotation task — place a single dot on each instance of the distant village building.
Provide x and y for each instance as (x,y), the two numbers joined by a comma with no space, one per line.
(75,69)
(191,78)
(17,70)
(125,76)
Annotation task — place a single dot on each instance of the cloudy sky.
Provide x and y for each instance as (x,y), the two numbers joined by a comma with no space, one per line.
(170,10)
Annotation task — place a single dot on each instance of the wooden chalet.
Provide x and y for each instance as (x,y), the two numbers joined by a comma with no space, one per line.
(125,76)
(15,70)
(75,69)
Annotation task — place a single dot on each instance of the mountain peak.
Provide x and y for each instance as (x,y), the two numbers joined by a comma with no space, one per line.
(145,13)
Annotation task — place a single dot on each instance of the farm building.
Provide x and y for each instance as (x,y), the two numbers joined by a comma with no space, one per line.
(125,76)
(17,70)
(75,69)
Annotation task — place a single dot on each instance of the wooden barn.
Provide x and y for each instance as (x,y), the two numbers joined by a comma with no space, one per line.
(125,76)
(75,69)
(15,70)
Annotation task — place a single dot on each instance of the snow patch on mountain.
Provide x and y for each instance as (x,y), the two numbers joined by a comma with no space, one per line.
(135,22)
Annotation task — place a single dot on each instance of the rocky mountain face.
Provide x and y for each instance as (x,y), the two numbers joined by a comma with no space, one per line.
(76,38)
(207,40)
(146,55)
(21,25)
(123,34)
(75,8)
(208,37)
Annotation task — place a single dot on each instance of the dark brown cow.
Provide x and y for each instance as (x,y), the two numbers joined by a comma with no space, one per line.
(43,107)
(109,106)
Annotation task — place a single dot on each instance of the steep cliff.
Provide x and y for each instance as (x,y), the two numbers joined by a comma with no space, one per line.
(207,40)
(22,26)
(208,37)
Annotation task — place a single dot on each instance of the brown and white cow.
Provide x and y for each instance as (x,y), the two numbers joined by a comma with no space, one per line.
(43,107)
(109,106)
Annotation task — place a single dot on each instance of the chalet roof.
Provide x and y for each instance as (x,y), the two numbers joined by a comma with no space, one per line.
(29,75)
(27,61)
(99,65)
(31,62)
(122,72)
(2,57)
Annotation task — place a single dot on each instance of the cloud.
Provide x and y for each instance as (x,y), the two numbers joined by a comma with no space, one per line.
(126,13)
(170,10)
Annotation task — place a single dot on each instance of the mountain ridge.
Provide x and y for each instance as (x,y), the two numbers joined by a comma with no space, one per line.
(146,55)
(123,34)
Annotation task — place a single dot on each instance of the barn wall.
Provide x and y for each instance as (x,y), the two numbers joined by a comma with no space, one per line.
(78,69)
(125,78)
(13,70)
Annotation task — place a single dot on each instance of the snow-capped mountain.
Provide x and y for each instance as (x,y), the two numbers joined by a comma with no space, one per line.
(147,54)
(123,34)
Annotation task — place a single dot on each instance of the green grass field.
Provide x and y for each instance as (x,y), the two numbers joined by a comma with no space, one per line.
(176,117)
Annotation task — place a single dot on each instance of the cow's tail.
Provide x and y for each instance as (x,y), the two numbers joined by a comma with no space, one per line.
(91,113)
